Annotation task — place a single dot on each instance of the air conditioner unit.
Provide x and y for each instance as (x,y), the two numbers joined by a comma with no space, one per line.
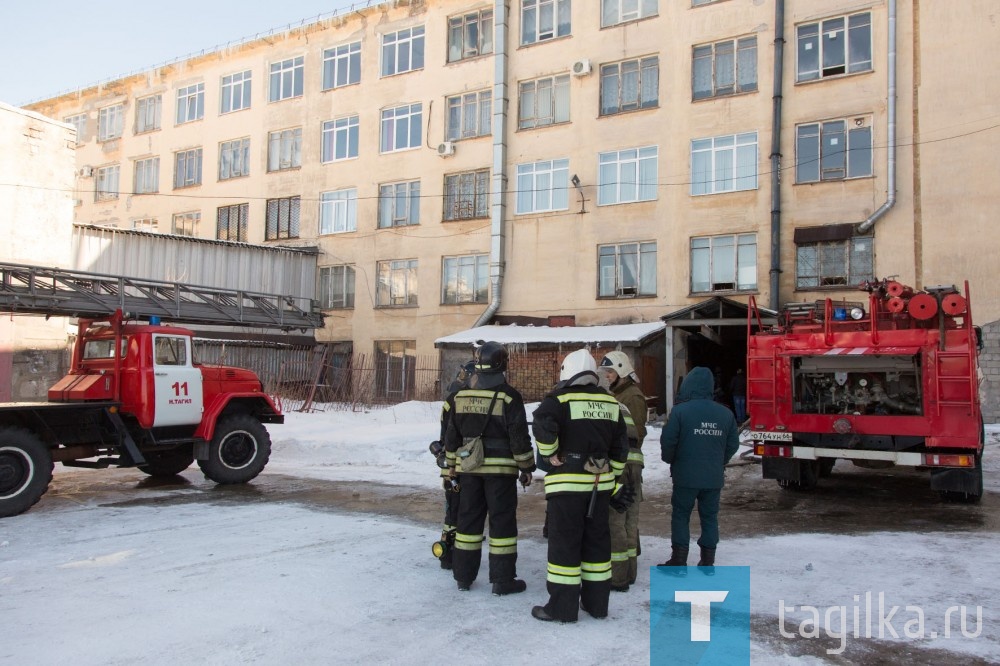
(581,67)
(86,171)
(446,149)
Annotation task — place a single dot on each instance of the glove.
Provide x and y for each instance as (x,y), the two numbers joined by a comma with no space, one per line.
(525,478)
(623,499)
(452,473)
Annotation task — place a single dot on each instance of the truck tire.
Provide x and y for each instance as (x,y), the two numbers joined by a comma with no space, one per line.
(238,451)
(25,470)
(163,464)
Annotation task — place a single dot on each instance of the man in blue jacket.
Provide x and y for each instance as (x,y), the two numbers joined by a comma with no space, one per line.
(697,441)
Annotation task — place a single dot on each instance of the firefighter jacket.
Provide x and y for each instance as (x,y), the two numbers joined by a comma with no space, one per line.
(579,422)
(700,435)
(507,444)
(629,395)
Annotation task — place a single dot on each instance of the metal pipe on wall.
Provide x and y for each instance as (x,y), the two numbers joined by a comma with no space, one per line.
(779,53)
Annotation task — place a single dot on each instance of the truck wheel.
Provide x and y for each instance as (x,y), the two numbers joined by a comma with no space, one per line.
(162,464)
(826,467)
(238,451)
(25,470)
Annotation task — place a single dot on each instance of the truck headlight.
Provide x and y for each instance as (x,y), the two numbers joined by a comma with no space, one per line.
(857,313)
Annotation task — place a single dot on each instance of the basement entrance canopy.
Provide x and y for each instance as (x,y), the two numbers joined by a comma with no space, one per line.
(712,333)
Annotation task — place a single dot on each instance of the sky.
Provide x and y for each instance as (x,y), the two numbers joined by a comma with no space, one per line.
(52,46)
(232,582)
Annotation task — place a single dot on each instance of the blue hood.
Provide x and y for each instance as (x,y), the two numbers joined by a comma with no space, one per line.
(698,385)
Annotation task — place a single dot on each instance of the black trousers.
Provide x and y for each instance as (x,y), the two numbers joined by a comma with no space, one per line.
(495,496)
(579,568)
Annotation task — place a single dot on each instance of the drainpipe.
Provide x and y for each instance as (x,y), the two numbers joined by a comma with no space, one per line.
(779,53)
(890,201)
(498,185)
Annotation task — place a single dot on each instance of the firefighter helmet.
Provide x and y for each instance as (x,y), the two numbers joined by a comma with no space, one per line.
(492,357)
(577,363)
(619,362)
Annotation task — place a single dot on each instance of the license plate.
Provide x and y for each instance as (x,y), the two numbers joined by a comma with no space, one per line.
(772,436)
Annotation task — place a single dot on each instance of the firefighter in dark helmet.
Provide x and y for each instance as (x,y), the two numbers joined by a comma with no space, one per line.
(493,414)
(580,428)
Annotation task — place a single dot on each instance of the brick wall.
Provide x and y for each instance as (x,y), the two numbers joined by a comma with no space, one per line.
(989,365)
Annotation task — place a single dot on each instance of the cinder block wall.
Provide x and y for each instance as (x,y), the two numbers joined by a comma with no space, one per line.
(989,364)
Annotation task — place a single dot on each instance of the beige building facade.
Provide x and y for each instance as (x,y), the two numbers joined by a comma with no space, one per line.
(610,160)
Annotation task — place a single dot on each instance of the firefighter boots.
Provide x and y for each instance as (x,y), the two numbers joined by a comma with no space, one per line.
(504,587)
(707,557)
(678,557)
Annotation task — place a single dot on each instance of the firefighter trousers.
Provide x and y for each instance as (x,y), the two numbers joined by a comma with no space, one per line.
(579,567)
(682,501)
(483,495)
(625,533)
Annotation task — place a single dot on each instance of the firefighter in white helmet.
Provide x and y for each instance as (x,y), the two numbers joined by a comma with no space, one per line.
(623,381)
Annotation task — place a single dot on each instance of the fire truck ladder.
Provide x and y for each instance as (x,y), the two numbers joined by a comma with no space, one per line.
(65,293)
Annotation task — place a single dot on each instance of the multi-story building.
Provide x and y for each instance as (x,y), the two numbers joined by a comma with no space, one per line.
(613,160)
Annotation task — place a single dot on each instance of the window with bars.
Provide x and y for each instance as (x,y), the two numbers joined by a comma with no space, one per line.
(403,51)
(542,20)
(190,103)
(724,164)
(395,369)
(402,128)
(147,113)
(626,270)
(284,149)
(629,175)
(614,12)
(234,158)
(338,211)
(340,139)
(469,115)
(465,279)
(836,46)
(109,122)
(399,204)
(833,150)
(187,168)
(186,224)
(630,85)
(147,176)
(724,68)
(282,218)
(336,287)
(397,283)
(724,263)
(235,92)
(286,79)
(543,102)
(835,263)
(231,222)
(466,195)
(543,186)
(106,183)
(470,35)
(342,66)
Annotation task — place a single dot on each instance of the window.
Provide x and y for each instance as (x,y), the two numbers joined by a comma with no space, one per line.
(544,19)
(284,149)
(469,115)
(106,187)
(340,139)
(79,121)
(395,369)
(145,224)
(543,102)
(831,151)
(147,113)
(724,68)
(403,51)
(109,123)
(724,263)
(336,287)
(186,224)
(470,35)
(614,12)
(231,222)
(724,164)
(397,283)
(338,211)
(286,79)
(169,351)
(836,46)
(147,176)
(402,128)
(342,66)
(234,158)
(399,204)
(627,175)
(542,186)
(695,3)
(235,92)
(187,168)
(465,279)
(837,263)
(466,195)
(630,85)
(626,270)
(282,218)
(190,103)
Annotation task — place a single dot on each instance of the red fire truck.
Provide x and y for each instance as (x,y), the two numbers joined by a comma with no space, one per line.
(894,381)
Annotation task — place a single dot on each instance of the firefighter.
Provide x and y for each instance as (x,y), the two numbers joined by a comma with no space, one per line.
(625,526)
(494,412)
(697,441)
(451,488)
(579,427)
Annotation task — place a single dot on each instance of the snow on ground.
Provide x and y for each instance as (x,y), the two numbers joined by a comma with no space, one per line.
(274,583)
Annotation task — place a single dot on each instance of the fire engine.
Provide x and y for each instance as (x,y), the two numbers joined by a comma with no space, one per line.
(135,396)
(890,381)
